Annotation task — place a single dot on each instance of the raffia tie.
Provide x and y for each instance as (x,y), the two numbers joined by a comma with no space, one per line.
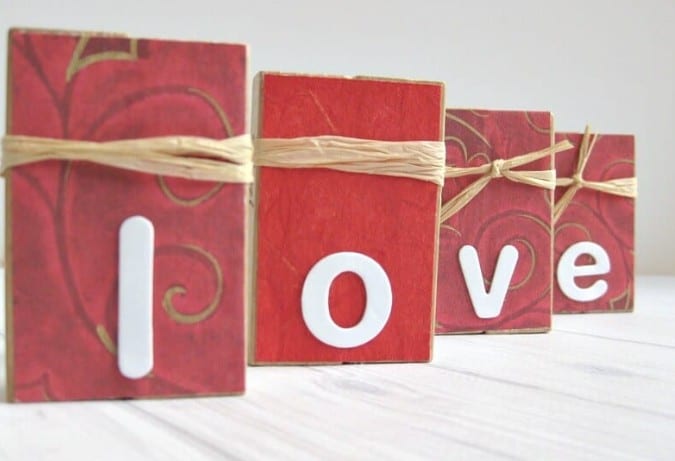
(623,187)
(501,168)
(423,160)
(225,160)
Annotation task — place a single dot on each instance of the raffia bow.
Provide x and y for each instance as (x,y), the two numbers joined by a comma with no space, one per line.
(501,168)
(623,187)
(224,160)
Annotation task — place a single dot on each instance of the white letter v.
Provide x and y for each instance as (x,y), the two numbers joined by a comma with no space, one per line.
(488,305)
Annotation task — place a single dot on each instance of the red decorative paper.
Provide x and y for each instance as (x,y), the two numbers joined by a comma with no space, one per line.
(64,218)
(304,215)
(602,218)
(503,213)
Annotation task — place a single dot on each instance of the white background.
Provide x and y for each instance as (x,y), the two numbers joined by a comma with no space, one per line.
(611,63)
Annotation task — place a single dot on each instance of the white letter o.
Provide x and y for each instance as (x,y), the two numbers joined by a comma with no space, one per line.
(316,289)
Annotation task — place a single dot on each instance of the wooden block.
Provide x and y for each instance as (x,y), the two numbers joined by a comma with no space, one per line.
(304,215)
(63,218)
(603,220)
(504,219)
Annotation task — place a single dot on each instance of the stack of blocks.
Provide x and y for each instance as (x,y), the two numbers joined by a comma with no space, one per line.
(367,219)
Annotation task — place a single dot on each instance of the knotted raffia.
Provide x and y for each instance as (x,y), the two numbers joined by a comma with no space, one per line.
(501,168)
(623,187)
(225,160)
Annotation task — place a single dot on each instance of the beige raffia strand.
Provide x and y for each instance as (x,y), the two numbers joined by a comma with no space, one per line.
(423,160)
(501,168)
(623,187)
(226,160)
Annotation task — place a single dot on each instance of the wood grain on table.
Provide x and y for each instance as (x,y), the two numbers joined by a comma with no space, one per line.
(599,386)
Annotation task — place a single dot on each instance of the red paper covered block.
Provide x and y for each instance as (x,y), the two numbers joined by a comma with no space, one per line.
(305,215)
(495,252)
(64,218)
(594,228)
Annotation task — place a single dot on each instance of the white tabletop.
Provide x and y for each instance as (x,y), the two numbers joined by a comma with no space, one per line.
(597,387)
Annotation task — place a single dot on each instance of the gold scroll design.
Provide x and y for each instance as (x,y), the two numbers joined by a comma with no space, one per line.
(528,276)
(623,300)
(42,384)
(105,339)
(534,126)
(501,168)
(225,121)
(181,290)
(622,187)
(530,249)
(469,158)
(78,62)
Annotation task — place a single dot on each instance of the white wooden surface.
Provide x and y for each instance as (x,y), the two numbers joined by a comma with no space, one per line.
(597,387)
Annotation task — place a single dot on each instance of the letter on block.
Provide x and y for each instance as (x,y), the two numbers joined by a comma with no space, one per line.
(344,266)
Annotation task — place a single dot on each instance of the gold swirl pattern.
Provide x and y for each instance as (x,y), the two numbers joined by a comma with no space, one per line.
(533,254)
(188,319)
(77,62)
(615,163)
(461,145)
(42,384)
(478,113)
(451,229)
(481,155)
(548,199)
(501,168)
(547,227)
(105,338)
(468,126)
(582,228)
(225,121)
(536,128)
(210,100)
(468,158)
(622,187)
(187,202)
(621,302)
